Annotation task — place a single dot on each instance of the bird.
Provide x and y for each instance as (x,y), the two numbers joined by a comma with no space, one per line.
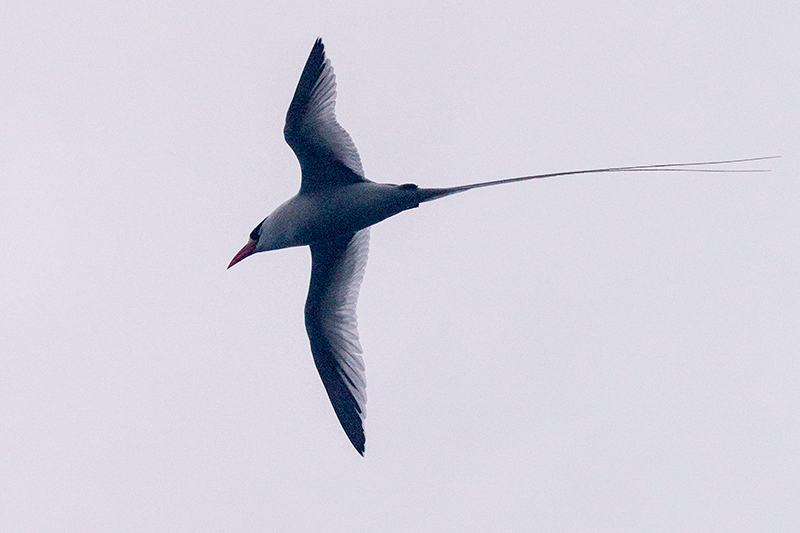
(332,213)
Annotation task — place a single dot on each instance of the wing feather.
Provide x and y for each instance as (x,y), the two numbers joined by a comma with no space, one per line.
(337,269)
(327,154)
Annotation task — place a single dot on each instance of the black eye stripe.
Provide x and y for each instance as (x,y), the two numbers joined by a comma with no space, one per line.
(256,233)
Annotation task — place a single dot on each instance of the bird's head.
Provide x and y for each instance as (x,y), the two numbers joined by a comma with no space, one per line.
(278,230)
(252,245)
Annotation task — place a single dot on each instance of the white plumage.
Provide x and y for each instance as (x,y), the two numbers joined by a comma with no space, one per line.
(332,214)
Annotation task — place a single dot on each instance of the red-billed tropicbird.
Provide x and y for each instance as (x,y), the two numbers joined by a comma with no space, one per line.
(332,214)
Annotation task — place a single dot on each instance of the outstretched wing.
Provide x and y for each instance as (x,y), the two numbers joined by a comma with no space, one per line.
(337,268)
(328,156)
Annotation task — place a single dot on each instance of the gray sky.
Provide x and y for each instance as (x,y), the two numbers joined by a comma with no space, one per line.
(591,353)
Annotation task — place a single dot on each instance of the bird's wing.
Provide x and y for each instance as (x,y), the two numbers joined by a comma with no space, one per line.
(328,156)
(337,268)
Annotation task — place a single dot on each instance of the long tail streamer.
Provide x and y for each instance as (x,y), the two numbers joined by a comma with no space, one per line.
(666,167)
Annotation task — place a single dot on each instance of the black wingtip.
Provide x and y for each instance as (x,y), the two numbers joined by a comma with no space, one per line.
(359,445)
(353,428)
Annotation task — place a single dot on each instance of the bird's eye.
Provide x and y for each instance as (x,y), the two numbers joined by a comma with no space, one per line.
(256,233)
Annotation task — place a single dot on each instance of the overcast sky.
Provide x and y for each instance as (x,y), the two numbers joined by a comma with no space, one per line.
(588,353)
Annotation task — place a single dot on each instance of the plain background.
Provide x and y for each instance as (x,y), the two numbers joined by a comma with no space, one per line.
(590,353)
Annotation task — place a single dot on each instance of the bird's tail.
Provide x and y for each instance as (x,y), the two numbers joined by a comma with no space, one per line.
(426,195)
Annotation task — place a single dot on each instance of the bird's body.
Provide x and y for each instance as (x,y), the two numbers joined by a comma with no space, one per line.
(317,216)
(332,214)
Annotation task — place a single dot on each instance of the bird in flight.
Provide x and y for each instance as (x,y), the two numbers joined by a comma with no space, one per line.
(332,214)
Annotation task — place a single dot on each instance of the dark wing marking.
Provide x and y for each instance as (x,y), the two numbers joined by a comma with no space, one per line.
(337,268)
(328,156)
